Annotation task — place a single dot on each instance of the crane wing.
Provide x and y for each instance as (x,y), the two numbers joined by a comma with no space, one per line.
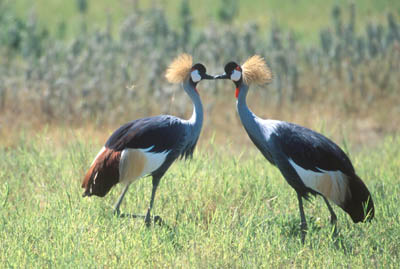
(157,134)
(146,143)
(311,150)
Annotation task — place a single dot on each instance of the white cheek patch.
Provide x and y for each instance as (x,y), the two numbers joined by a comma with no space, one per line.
(195,76)
(236,75)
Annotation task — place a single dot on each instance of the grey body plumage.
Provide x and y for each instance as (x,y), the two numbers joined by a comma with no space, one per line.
(148,146)
(310,162)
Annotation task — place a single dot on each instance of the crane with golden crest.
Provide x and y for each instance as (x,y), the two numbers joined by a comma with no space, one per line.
(310,162)
(149,146)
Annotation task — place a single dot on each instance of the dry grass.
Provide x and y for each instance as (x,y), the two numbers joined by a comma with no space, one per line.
(360,124)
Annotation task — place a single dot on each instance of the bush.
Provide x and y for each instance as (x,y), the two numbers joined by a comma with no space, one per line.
(92,74)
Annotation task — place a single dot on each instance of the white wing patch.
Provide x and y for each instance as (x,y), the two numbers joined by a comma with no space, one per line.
(236,75)
(154,160)
(331,184)
(136,163)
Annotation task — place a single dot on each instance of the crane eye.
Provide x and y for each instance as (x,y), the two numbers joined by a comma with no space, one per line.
(195,75)
(236,75)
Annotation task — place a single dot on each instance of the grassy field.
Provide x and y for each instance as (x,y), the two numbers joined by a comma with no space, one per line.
(303,16)
(221,210)
(61,98)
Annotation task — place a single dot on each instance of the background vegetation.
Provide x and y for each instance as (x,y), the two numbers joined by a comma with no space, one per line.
(112,72)
(73,71)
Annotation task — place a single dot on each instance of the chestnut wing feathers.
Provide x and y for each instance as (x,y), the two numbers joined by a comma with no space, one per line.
(158,134)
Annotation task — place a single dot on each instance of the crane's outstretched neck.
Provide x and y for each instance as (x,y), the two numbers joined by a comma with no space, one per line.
(247,117)
(259,130)
(196,120)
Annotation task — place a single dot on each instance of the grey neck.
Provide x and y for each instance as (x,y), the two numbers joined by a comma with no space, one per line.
(247,117)
(196,120)
(258,131)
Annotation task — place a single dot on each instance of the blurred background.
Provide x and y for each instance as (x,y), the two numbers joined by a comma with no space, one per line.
(92,65)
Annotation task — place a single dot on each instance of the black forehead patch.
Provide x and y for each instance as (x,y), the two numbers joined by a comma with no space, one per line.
(229,67)
(200,67)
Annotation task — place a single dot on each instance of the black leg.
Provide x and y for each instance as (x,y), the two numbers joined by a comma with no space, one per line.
(303,226)
(117,212)
(156,181)
(333,215)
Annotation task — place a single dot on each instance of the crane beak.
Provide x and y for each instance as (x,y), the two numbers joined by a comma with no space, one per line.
(206,76)
(223,76)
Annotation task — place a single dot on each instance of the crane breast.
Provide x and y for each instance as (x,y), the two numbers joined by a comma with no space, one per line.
(136,163)
(332,184)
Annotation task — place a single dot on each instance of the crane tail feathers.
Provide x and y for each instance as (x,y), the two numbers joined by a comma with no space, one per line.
(103,173)
(360,206)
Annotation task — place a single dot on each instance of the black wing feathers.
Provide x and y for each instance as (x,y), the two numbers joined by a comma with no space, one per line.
(160,132)
(312,150)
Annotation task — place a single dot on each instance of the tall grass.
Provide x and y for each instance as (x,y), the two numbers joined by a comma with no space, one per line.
(220,210)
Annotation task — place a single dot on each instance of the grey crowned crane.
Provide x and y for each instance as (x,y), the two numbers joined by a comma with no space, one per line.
(148,146)
(310,162)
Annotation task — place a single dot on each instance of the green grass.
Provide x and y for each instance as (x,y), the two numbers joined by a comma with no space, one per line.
(221,210)
(305,17)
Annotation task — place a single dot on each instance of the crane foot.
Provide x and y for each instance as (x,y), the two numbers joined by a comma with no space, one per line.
(155,219)
(147,219)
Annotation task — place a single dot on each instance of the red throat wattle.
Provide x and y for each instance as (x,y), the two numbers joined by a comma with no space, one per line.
(237,93)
